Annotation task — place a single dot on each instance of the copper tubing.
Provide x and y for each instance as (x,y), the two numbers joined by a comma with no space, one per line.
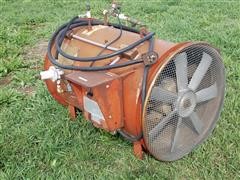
(94,43)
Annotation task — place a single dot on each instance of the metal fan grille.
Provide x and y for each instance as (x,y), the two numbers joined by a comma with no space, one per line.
(184,102)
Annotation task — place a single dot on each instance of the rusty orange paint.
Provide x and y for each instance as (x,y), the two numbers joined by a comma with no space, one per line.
(137,149)
(72,112)
(119,98)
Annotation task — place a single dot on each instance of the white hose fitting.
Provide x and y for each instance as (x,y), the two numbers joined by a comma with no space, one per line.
(105,12)
(88,14)
(122,16)
(52,73)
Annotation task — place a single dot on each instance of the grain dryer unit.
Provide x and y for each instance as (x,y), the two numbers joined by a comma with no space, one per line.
(164,97)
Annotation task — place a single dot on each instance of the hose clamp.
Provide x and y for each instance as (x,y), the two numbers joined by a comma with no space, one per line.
(150,58)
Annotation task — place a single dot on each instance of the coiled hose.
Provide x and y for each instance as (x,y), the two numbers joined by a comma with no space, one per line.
(59,35)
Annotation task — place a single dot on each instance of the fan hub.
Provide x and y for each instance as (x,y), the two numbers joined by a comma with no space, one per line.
(186,103)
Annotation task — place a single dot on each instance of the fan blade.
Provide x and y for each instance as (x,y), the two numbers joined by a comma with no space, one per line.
(207,94)
(181,71)
(163,95)
(175,137)
(197,123)
(159,127)
(200,71)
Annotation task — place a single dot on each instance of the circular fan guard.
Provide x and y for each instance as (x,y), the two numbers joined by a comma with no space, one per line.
(184,102)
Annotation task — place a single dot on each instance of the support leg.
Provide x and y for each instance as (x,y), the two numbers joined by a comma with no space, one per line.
(72,112)
(137,149)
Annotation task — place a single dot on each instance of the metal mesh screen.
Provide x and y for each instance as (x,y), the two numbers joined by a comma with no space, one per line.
(184,102)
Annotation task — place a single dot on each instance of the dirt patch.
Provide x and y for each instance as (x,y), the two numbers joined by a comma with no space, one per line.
(27,90)
(5,80)
(37,52)
(35,55)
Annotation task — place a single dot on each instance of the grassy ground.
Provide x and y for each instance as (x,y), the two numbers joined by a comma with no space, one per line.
(37,140)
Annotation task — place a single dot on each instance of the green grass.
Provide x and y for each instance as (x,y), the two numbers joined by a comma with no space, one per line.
(37,140)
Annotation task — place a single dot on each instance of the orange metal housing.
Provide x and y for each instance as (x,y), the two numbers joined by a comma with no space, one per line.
(116,91)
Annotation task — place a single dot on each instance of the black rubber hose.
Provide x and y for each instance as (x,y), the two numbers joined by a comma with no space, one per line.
(73,24)
(96,68)
(113,41)
(144,86)
(128,136)
(117,38)
(102,57)
(67,28)
(145,73)
(53,60)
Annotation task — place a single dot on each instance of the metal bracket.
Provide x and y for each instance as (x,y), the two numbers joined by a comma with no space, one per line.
(150,58)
